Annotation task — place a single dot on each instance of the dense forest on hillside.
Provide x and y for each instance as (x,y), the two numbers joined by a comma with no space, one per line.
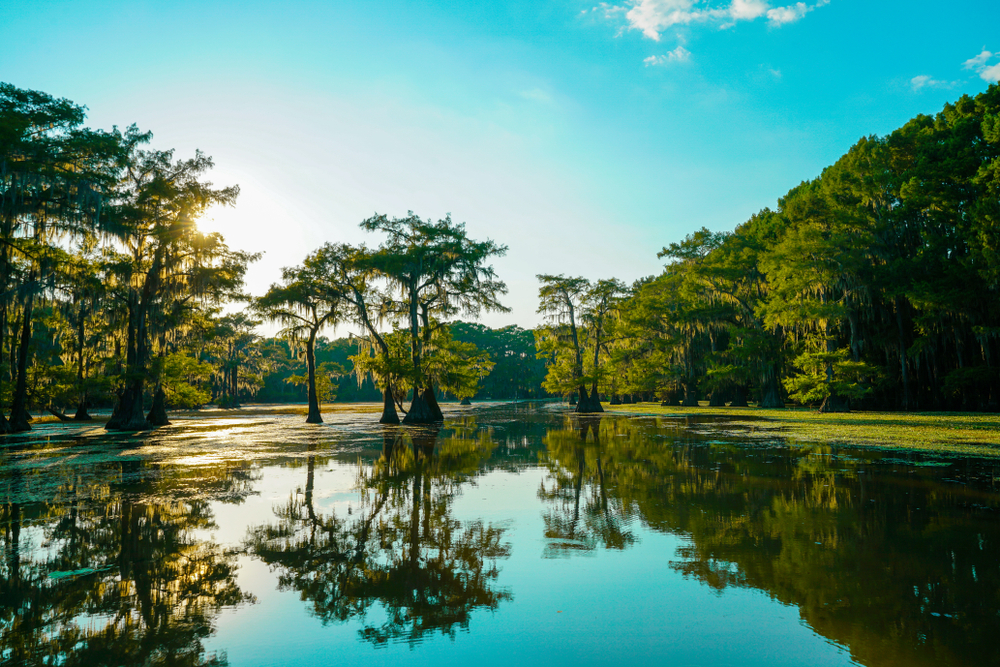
(874,285)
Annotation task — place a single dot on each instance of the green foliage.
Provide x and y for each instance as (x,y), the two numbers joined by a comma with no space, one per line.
(327,376)
(822,374)
(180,375)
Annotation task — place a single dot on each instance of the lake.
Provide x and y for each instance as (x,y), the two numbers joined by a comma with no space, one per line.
(511,535)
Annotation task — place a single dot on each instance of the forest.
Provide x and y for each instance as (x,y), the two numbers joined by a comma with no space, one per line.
(872,286)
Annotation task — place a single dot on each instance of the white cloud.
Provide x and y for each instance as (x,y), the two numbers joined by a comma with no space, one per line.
(747,10)
(678,55)
(789,14)
(979,61)
(985,71)
(652,17)
(924,81)
(991,73)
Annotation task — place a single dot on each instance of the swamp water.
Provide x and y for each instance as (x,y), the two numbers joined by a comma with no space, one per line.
(512,535)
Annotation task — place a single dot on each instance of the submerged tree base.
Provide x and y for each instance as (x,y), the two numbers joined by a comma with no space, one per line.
(431,399)
(128,415)
(589,404)
(81,413)
(314,416)
(158,413)
(420,412)
(389,414)
(835,403)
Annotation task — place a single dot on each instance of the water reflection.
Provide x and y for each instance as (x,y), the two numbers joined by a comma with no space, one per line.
(400,550)
(112,573)
(582,515)
(108,558)
(878,555)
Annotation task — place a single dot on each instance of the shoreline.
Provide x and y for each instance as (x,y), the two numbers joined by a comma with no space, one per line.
(945,433)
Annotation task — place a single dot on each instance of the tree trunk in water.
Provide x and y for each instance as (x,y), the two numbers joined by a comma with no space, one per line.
(615,400)
(739,397)
(835,403)
(431,399)
(690,396)
(770,392)
(19,411)
(81,407)
(81,411)
(589,404)
(4,424)
(389,414)
(465,401)
(419,412)
(908,402)
(717,399)
(234,389)
(314,416)
(158,413)
(128,415)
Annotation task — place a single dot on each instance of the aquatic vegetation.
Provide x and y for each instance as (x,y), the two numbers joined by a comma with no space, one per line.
(943,432)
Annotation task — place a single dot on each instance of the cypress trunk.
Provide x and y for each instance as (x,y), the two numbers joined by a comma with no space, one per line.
(314,416)
(717,399)
(835,403)
(589,404)
(158,413)
(19,411)
(770,391)
(420,411)
(431,399)
(690,396)
(389,414)
(739,397)
(81,407)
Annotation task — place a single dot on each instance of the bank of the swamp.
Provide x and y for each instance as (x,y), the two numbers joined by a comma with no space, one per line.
(247,410)
(975,434)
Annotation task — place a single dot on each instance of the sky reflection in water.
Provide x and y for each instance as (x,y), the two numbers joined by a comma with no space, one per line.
(508,536)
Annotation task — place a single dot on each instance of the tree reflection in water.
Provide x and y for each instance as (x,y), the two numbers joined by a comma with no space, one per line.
(576,476)
(896,565)
(401,551)
(116,575)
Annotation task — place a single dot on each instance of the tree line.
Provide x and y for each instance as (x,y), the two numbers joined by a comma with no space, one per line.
(111,295)
(874,285)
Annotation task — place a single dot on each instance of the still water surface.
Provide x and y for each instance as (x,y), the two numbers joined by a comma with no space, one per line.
(510,536)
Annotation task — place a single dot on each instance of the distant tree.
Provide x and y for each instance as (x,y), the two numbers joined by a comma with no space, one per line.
(437,272)
(561,300)
(304,303)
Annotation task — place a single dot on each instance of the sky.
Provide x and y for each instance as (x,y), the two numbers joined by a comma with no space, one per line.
(584,136)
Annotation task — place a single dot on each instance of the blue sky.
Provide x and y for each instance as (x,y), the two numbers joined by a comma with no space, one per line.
(583,135)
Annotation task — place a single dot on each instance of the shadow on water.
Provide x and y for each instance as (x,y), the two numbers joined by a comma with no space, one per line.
(107,555)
